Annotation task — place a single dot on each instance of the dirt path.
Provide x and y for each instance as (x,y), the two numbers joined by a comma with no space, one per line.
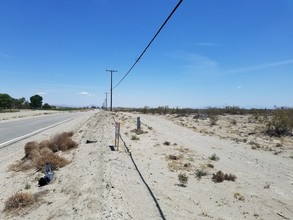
(103,184)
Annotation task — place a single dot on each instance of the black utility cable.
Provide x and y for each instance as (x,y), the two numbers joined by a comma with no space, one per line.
(149,43)
(143,180)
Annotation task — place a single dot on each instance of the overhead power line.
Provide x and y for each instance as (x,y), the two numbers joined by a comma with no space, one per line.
(149,44)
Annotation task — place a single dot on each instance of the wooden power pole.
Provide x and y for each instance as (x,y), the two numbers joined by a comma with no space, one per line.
(106,100)
(112,71)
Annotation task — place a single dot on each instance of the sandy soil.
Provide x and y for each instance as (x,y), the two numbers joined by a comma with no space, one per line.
(140,181)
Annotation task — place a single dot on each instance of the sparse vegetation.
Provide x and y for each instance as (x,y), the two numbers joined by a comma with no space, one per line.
(134,138)
(233,121)
(210,165)
(38,154)
(281,123)
(138,131)
(19,200)
(62,142)
(173,157)
(27,185)
(214,157)
(213,119)
(239,197)
(167,143)
(200,173)
(183,179)
(254,145)
(220,177)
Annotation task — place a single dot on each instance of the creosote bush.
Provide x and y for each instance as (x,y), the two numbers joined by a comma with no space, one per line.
(214,157)
(167,143)
(19,200)
(281,123)
(183,179)
(200,173)
(220,177)
(213,119)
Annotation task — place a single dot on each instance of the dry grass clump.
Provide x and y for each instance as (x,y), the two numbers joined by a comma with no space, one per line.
(220,177)
(46,144)
(177,162)
(19,200)
(134,138)
(239,197)
(47,156)
(63,142)
(138,131)
(22,165)
(31,150)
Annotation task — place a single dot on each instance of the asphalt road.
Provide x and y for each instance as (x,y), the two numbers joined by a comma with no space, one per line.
(12,131)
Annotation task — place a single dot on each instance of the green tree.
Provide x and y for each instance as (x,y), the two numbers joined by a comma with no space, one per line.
(46,106)
(36,101)
(5,101)
(18,103)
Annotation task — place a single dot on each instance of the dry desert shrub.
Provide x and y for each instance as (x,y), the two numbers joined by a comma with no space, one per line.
(176,163)
(31,149)
(183,179)
(63,142)
(239,197)
(47,156)
(200,173)
(173,157)
(22,165)
(220,177)
(214,157)
(134,138)
(137,131)
(46,144)
(19,200)
(213,119)
(281,124)
(38,161)
(37,155)
(167,143)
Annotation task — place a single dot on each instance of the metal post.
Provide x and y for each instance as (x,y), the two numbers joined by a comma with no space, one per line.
(138,124)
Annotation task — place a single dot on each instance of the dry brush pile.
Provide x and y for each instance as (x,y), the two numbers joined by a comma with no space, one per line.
(37,155)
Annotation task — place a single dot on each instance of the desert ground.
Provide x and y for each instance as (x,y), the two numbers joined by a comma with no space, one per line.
(140,179)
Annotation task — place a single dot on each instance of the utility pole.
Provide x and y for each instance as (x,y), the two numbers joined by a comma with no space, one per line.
(112,71)
(106,100)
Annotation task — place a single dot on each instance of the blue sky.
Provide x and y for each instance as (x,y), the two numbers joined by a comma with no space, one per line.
(210,53)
